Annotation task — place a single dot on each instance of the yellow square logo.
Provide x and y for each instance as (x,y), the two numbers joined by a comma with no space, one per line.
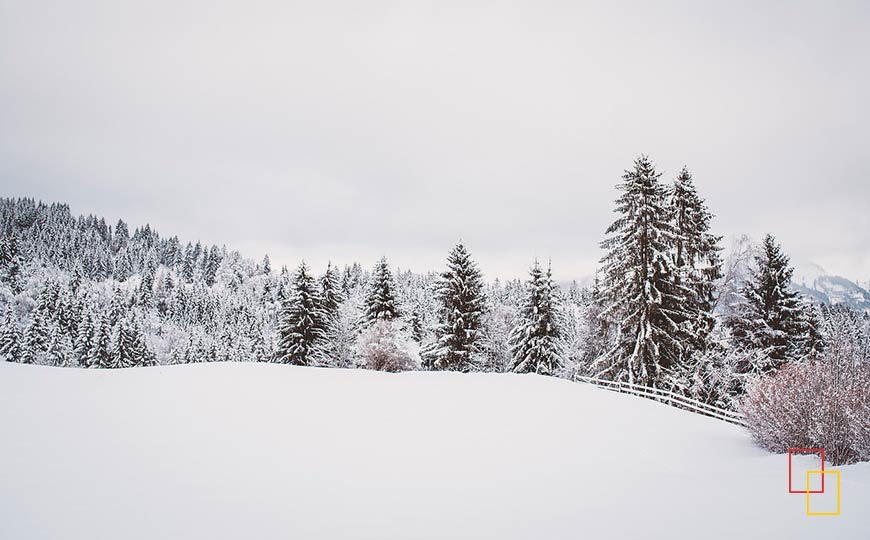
(810,512)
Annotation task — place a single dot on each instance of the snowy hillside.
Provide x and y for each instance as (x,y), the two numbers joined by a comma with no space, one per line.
(266,451)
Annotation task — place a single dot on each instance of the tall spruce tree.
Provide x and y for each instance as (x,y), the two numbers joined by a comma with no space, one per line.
(770,318)
(301,324)
(10,338)
(461,306)
(381,303)
(696,257)
(536,338)
(643,297)
(698,266)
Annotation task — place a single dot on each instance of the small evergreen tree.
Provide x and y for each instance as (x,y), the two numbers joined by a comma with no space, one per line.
(84,340)
(417,326)
(462,302)
(35,338)
(331,295)
(770,318)
(10,338)
(123,351)
(381,301)
(536,340)
(301,325)
(57,351)
(99,354)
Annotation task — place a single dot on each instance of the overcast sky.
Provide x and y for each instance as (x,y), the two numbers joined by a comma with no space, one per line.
(348,130)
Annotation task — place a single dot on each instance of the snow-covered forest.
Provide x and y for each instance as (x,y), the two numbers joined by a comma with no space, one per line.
(669,308)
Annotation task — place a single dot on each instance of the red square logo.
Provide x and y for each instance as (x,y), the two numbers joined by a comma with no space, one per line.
(821,452)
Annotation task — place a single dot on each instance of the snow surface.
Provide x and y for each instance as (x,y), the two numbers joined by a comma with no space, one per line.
(264,451)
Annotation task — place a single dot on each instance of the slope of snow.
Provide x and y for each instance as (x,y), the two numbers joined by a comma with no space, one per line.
(221,451)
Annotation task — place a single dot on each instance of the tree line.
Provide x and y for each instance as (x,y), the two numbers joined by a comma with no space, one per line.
(664,310)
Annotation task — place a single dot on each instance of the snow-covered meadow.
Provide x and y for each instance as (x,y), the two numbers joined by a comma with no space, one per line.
(239,450)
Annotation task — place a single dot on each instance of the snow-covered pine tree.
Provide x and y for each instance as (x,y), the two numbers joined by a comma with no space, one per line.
(813,340)
(10,338)
(698,266)
(123,266)
(301,323)
(35,338)
(123,346)
(696,256)
(121,236)
(461,299)
(596,329)
(536,339)
(142,356)
(770,318)
(145,293)
(10,263)
(58,349)
(642,297)
(99,355)
(381,303)
(416,325)
(331,295)
(84,340)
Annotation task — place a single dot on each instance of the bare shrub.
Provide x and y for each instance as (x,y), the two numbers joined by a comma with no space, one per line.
(383,348)
(813,404)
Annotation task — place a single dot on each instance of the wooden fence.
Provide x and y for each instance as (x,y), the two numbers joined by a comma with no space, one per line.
(670,398)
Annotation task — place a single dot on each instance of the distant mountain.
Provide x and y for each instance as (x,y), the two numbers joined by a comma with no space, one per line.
(812,280)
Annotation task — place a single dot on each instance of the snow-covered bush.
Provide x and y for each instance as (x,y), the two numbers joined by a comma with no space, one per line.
(813,404)
(382,347)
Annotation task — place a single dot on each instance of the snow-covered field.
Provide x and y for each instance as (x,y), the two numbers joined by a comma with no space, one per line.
(263,451)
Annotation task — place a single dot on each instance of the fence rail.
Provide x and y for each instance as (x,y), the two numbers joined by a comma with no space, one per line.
(668,397)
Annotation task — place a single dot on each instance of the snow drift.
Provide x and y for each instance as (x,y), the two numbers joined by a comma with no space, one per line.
(266,451)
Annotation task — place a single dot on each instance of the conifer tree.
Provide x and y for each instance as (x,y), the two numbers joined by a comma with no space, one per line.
(10,263)
(145,294)
(10,339)
(121,236)
(266,267)
(461,305)
(381,301)
(35,338)
(536,339)
(123,351)
(99,355)
(57,350)
(416,324)
(596,330)
(123,266)
(696,257)
(84,340)
(813,340)
(142,356)
(331,295)
(770,318)
(301,324)
(643,298)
